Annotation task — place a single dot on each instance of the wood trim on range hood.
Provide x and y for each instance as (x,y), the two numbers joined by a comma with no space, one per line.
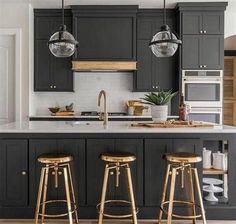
(104,65)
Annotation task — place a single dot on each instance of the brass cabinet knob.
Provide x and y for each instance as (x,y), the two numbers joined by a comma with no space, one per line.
(23,173)
(60,173)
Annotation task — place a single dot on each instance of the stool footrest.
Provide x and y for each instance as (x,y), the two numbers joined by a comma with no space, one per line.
(56,215)
(116,216)
(181,216)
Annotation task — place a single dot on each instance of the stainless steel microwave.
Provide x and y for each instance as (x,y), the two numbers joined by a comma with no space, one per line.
(203,91)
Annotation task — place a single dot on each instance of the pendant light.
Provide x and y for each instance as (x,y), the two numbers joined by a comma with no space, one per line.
(165,43)
(62,44)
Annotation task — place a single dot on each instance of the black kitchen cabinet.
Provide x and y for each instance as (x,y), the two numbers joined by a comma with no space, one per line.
(50,73)
(95,169)
(203,52)
(155,168)
(201,27)
(153,72)
(105,32)
(14,173)
(203,22)
(76,148)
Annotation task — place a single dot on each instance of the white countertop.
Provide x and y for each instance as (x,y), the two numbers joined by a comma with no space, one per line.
(89,117)
(97,127)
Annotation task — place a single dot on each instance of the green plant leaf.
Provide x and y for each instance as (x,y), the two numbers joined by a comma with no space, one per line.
(160,98)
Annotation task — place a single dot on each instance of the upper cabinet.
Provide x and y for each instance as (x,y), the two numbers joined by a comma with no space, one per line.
(201,27)
(105,32)
(50,73)
(203,22)
(153,72)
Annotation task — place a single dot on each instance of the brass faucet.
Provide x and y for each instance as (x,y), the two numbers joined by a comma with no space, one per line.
(103,116)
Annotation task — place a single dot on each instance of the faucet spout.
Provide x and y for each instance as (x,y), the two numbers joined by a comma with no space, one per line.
(104,115)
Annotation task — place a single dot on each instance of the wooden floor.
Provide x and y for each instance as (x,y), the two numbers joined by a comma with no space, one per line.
(110,222)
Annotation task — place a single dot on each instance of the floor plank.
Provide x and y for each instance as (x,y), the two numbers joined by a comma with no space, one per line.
(2,221)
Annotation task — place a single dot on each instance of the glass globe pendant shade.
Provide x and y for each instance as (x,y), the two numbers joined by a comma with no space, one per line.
(164,43)
(62,44)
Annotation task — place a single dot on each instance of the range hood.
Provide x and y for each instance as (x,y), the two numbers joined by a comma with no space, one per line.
(103,66)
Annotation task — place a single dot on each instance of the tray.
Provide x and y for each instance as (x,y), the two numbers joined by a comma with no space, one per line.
(175,124)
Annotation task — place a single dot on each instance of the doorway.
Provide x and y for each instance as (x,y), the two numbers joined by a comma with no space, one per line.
(10,85)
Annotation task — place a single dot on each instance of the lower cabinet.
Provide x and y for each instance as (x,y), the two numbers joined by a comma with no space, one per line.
(13,173)
(155,168)
(95,169)
(76,148)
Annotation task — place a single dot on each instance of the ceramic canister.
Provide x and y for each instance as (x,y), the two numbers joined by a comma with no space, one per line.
(219,161)
(206,159)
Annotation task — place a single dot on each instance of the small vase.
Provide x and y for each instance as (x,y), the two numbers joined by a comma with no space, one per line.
(159,113)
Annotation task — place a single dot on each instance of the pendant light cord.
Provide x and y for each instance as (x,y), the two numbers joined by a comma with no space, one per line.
(63,13)
(164,19)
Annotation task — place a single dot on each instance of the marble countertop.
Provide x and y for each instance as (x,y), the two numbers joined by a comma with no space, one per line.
(98,127)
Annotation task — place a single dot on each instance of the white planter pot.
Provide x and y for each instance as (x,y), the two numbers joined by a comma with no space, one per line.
(159,113)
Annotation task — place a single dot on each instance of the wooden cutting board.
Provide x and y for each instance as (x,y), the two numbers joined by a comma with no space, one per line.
(175,124)
(63,113)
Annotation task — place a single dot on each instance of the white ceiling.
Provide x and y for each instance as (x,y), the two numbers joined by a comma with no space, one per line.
(141,3)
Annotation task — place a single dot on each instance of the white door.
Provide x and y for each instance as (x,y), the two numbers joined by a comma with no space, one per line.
(7,80)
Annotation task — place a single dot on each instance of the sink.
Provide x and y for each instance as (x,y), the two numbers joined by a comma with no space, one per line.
(75,123)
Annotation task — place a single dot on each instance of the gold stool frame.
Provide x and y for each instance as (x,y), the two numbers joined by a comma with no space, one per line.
(173,170)
(42,193)
(101,205)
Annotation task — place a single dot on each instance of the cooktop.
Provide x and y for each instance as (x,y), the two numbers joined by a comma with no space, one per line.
(95,113)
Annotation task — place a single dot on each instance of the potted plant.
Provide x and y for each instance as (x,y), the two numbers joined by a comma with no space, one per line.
(158,102)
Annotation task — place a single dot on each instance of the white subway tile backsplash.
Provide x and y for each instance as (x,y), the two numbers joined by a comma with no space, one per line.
(118,85)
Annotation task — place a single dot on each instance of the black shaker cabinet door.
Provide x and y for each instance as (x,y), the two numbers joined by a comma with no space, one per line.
(155,168)
(191,52)
(95,170)
(144,72)
(213,51)
(213,22)
(42,75)
(50,73)
(14,173)
(192,22)
(153,72)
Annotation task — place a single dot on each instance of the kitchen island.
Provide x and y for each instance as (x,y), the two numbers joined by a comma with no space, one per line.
(22,142)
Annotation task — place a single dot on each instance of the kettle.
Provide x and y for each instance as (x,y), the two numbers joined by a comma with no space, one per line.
(206,159)
(219,161)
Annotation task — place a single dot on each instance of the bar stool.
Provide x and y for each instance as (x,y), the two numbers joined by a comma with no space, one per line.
(60,165)
(181,163)
(115,162)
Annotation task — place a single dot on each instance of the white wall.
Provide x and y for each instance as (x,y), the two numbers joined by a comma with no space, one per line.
(17,16)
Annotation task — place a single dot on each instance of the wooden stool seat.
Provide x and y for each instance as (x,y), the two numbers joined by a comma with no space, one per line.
(54,159)
(182,157)
(118,157)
